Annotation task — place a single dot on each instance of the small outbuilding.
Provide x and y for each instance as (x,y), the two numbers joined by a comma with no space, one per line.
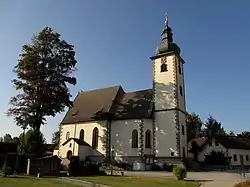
(48,166)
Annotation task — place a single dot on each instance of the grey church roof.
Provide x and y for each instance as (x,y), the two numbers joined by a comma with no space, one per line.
(109,103)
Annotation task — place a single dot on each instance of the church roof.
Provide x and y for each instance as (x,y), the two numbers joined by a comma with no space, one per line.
(109,103)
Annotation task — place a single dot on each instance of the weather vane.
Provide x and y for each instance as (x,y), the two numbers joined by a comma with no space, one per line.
(166,20)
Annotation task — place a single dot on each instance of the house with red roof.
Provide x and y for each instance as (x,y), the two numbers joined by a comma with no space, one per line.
(237,148)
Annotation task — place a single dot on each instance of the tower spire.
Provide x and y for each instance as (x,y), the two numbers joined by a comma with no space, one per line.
(167,43)
(166,20)
(167,31)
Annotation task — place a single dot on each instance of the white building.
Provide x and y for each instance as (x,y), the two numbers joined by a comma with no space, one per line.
(132,126)
(237,148)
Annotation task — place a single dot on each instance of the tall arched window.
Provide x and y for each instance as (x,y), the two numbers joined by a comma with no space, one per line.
(81,135)
(67,135)
(148,139)
(95,138)
(164,68)
(135,139)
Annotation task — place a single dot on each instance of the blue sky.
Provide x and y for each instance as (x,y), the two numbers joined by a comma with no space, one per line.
(114,40)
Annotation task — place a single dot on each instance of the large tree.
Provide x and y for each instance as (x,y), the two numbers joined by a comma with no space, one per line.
(43,75)
(7,138)
(212,127)
(194,125)
(56,137)
(231,133)
(32,142)
(245,134)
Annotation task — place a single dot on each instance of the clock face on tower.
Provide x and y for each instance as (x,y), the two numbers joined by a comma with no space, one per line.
(164,60)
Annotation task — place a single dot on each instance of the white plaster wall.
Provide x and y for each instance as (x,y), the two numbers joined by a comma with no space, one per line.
(239,152)
(65,148)
(183,138)
(165,133)
(207,149)
(84,151)
(55,152)
(121,136)
(88,132)
(180,81)
(88,127)
(165,84)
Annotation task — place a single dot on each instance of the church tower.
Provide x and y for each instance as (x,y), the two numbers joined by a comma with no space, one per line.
(169,99)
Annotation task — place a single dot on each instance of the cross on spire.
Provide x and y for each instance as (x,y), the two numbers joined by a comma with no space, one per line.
(166,20)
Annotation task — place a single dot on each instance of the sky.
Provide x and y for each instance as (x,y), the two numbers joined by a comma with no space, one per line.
(113,42)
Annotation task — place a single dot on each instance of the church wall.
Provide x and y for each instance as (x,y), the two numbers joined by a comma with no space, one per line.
(169,98)
(180,82)
(183,134)
(88,132)
(121,136)
(166,133)
(165,84)
(69,147)
(88,127)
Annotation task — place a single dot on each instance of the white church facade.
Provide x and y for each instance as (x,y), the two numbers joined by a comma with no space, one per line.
(141,126)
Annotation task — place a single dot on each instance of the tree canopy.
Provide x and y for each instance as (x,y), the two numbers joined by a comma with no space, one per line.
(244,134)
(212,127)
(194,125)
(43,75)
(32,142)
(56,137)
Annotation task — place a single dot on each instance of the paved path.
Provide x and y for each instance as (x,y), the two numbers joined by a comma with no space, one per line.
(208,179)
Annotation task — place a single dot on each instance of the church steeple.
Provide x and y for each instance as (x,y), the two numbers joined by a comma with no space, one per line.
(167,44)
(167,32)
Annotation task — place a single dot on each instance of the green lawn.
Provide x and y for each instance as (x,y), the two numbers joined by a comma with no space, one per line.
(32,182)
(117,181)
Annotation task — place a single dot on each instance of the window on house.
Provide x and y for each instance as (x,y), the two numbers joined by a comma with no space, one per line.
(81,135)
(70,145)
(184,152)
(247,157)
(179,67)
(135,139)
(164,67)
(210,143)
(148,139)
(235,157)
(216,143)
(182,130)
(181,91)
(67,135)
(95,137)
(172,153)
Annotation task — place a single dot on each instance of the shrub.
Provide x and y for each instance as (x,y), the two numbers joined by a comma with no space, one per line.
(7,170)
(243,184)
(180,172)
(167,167)
(157,168)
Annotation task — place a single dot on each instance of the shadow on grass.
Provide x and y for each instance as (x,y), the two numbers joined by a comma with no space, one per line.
(193,180)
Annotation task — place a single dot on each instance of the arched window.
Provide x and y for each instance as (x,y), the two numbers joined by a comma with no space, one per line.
(148,139)
(95,138)
(164,67)
(67,135)
(69,154)
(81,135)
(135,139)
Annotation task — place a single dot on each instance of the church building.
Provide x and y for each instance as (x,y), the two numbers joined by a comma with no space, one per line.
(144,126)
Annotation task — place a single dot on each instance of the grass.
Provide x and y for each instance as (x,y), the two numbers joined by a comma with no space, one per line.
(32,182)
(117,181)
